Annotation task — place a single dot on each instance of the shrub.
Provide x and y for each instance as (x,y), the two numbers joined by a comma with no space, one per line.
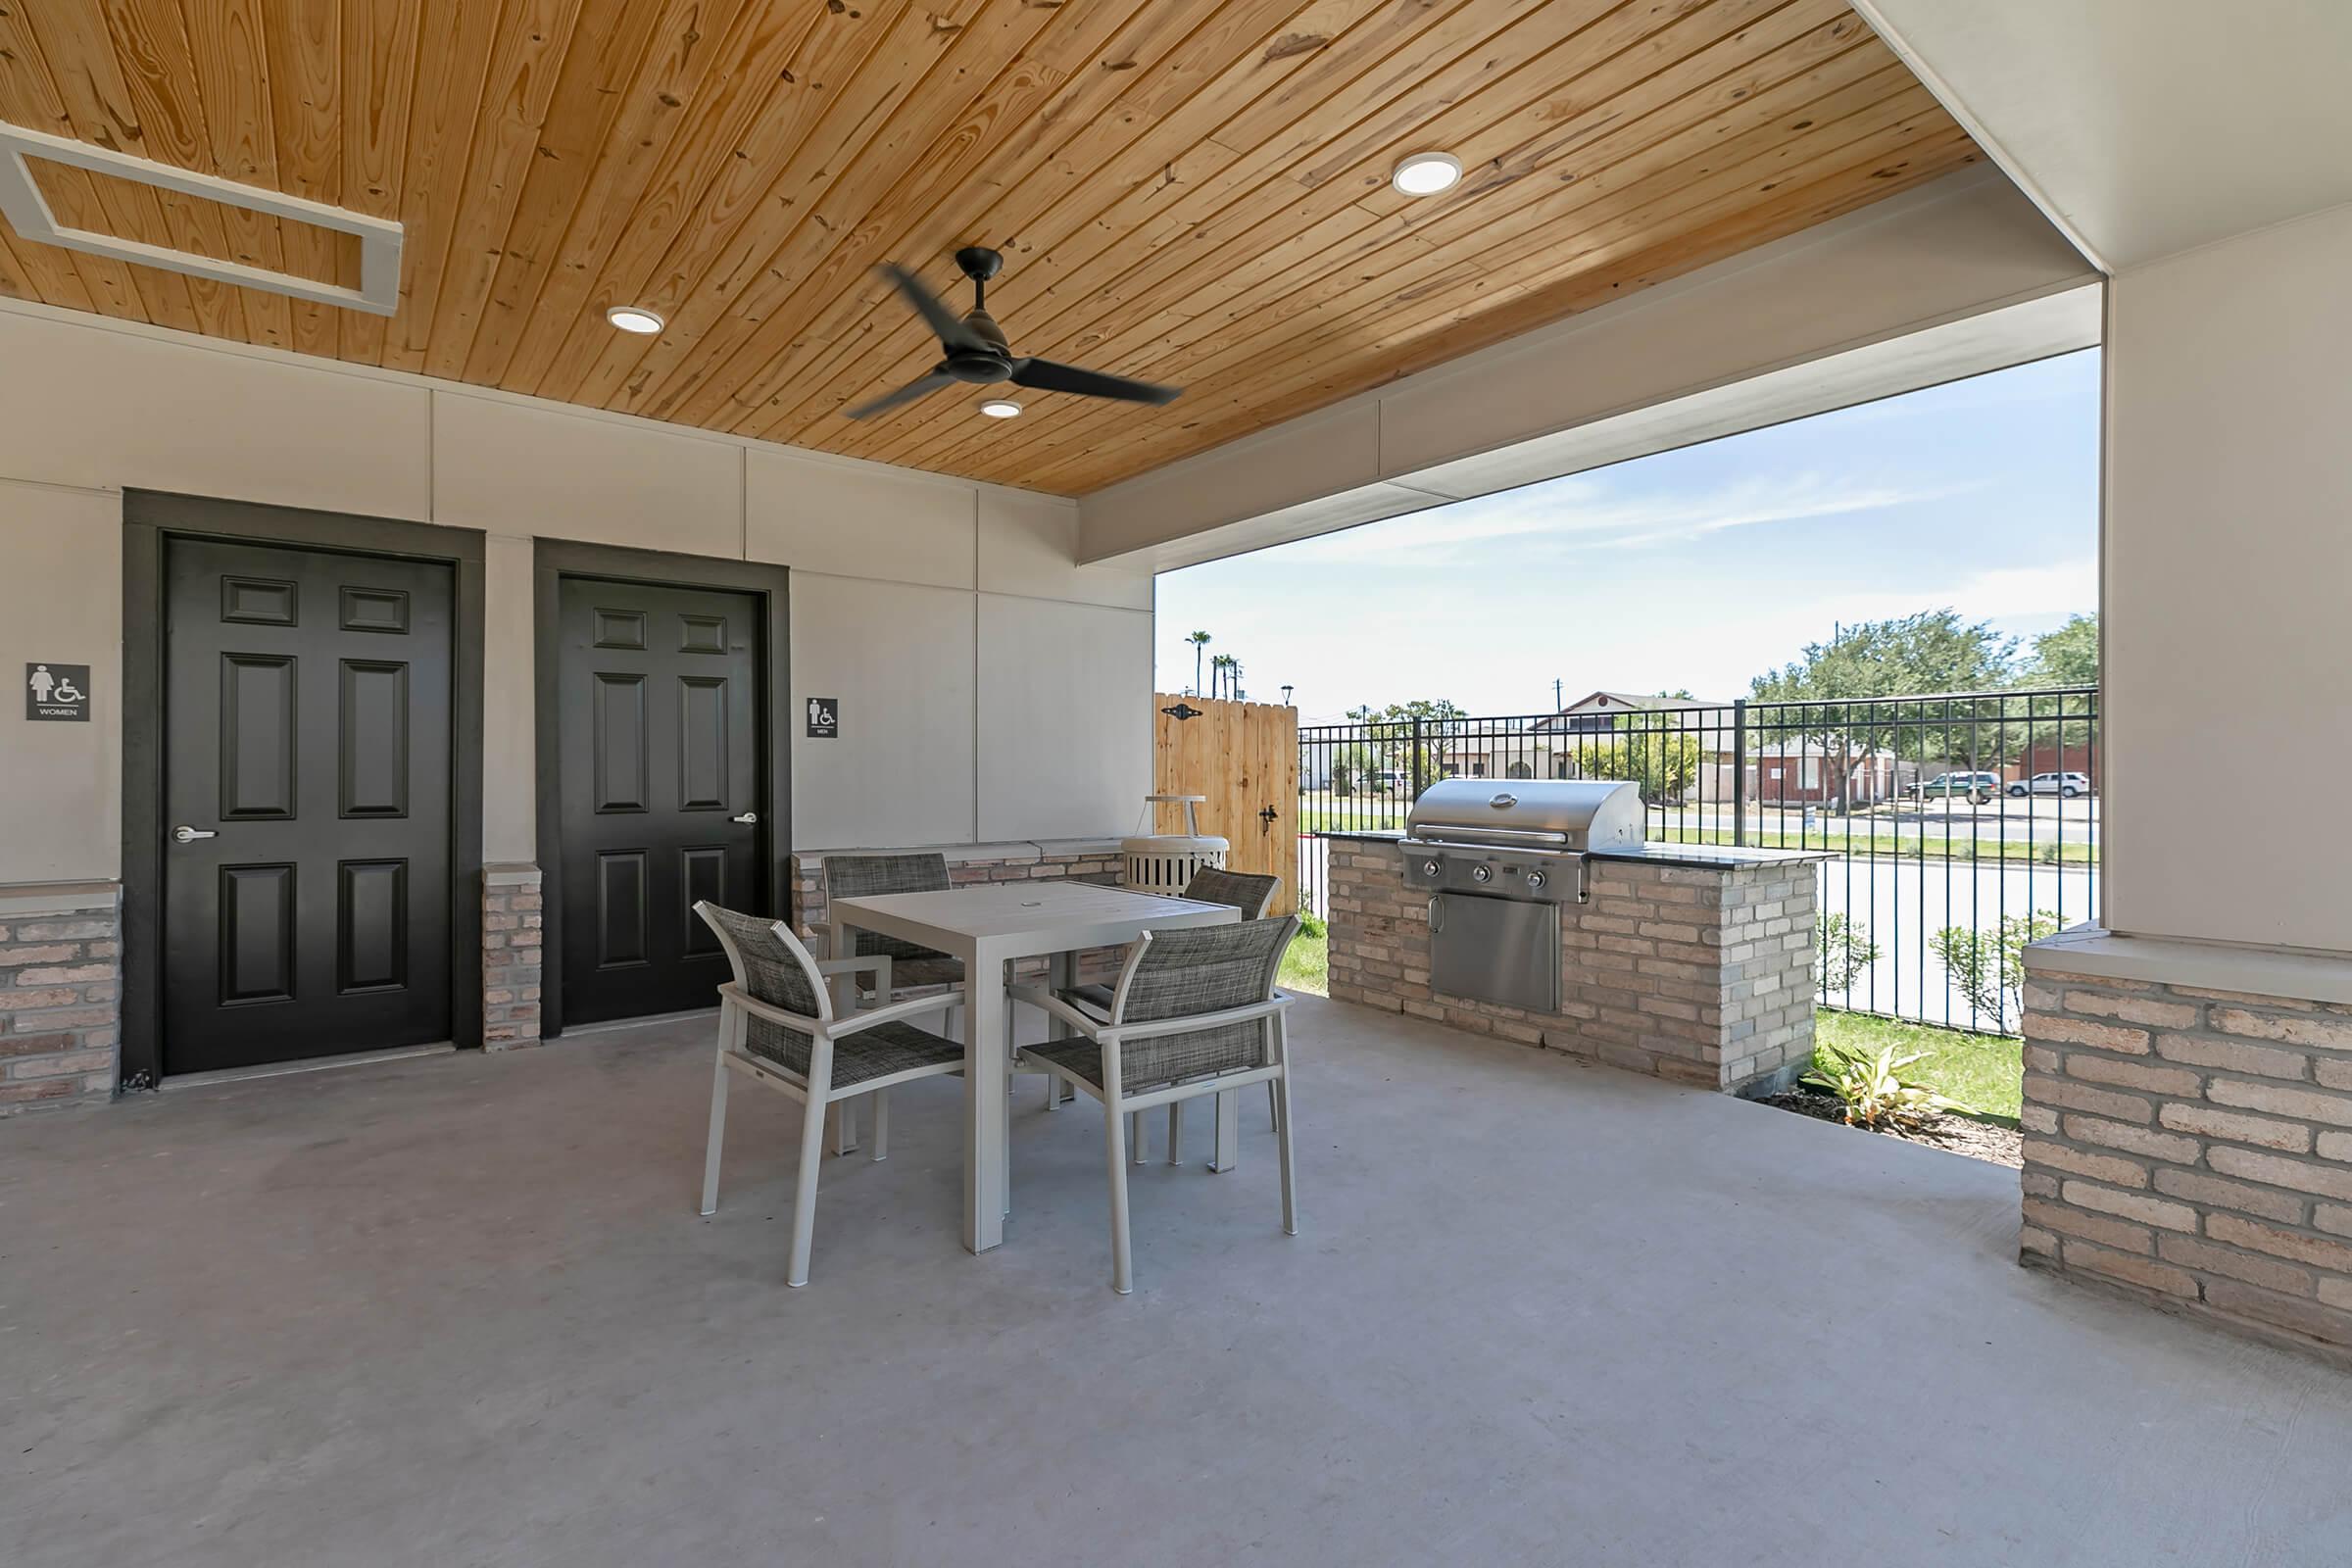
(1872,1088)
(1842,951)
(1312,925)
(1988,967)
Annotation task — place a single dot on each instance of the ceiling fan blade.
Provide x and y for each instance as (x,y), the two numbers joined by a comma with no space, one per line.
(1047,376)
(906,394)
(946,324)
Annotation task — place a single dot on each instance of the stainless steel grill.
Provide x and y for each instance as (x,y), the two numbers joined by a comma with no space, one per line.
(1498,858)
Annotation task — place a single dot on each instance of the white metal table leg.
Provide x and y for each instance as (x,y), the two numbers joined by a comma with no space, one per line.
(881,1124)
(1229,1131)
(983,1185)
(1122,1257)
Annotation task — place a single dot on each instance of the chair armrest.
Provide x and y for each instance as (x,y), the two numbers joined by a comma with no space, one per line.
(1054,1006)
(879,962)
(911,1008)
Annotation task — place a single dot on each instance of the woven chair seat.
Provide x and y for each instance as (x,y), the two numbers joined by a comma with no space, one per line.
(1148,1064)
(876,1053)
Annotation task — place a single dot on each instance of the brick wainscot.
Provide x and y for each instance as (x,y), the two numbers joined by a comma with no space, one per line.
(61,967)
(1690,962)
(2188,1141)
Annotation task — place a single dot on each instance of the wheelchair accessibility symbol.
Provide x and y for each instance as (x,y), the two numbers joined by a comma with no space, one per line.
(57,693)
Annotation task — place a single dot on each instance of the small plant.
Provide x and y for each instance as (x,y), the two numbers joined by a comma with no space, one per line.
(1872,1088)
(1842,951)
(1988,967)
(1312,925)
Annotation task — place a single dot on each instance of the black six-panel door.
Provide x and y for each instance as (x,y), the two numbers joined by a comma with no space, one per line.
(306,801)
(658,695)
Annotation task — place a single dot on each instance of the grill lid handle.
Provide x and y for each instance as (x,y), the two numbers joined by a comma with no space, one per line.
(1504,801)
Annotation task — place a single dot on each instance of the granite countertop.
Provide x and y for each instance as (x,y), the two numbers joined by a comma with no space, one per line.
(1703,855)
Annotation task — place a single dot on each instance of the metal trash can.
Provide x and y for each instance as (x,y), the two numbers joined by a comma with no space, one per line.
(1165,862)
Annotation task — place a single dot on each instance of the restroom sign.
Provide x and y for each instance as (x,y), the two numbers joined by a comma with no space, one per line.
(824,717)
(57,694)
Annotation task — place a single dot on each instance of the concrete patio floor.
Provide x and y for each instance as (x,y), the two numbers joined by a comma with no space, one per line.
(460,1311)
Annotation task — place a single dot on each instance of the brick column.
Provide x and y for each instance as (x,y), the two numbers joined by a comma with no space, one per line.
(2193,1146)
(511,956)
(61,967)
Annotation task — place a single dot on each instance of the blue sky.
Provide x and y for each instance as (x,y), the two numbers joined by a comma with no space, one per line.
(1695,568)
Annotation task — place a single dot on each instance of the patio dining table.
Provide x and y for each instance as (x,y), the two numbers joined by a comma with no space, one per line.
(987,925)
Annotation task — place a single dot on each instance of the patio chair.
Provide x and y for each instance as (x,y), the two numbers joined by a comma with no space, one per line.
(1195,1012)
(914,966)
(1245,891)
(776,1026)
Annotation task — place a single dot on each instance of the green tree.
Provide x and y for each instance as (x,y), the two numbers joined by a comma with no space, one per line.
(1388,732)
(1200,642)
(2066,657)
(1932,651)
(1662,764)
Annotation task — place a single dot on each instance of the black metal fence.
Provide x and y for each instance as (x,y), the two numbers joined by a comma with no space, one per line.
(1962,824)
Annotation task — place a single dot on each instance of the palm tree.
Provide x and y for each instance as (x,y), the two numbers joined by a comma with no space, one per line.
(1199,640)
(1218,668)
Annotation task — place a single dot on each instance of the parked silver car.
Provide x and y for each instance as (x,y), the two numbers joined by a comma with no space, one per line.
(2068,784)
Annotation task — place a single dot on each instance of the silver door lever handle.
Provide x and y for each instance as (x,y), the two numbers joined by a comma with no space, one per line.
(189,835)
(747,818)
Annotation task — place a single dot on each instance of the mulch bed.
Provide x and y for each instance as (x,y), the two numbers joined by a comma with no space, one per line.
(1962,1135)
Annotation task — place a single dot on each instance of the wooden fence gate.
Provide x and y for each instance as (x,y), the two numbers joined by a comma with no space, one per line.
(1244,758)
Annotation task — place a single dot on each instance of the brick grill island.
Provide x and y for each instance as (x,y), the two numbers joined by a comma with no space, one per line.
(2189,1143)
(1690,962)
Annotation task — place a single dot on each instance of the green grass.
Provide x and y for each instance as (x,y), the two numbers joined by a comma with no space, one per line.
(1307,965)
(1984,1072)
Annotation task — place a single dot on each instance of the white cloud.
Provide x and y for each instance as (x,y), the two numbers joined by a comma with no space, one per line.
(1567,516)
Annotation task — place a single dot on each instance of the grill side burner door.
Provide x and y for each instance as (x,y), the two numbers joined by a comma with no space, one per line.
(1495,949)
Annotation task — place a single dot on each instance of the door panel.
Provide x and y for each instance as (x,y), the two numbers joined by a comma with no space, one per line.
(658,703)
(307,730)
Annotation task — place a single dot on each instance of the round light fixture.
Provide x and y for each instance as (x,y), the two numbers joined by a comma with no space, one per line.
(1000,408)
(633,319)
(1426,173)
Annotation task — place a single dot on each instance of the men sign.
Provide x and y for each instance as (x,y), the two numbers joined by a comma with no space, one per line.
(57,694)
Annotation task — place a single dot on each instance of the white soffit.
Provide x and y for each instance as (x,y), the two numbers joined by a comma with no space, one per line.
(1949,280)
(2144,127)
(28,213)
(2057,323)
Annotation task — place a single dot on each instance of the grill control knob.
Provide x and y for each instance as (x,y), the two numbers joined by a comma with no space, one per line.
(1535,881)
(1428,867)
(1482,874)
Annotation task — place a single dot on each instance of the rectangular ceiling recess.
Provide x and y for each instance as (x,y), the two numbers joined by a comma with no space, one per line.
(28,213)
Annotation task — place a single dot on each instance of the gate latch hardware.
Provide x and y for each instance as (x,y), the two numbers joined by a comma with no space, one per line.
(189,835)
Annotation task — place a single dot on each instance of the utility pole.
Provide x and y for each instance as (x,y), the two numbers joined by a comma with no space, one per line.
(1556,694)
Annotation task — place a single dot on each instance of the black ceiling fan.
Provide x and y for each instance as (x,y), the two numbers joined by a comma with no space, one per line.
(976,351)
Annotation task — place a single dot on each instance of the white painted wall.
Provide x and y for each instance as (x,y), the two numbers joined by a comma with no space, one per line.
(61,601)
(2227,574)
(889,566)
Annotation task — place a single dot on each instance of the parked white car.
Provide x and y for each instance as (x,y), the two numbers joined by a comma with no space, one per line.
(2068,784)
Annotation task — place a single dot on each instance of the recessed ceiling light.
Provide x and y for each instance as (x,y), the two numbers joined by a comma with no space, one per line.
(1426,173)
(1000,408)
(633,319)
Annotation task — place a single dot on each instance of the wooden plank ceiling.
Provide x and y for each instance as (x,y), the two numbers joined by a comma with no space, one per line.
(1189,191)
